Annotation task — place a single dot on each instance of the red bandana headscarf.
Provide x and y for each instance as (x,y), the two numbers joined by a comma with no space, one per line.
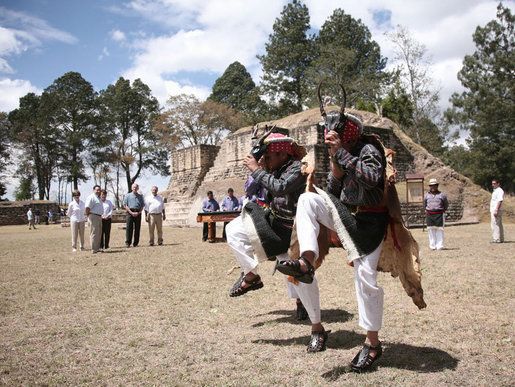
(351,132)
(277,142)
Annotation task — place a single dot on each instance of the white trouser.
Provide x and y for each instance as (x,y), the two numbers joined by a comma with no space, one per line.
(239,242)
(309,294)
(435,237)
(497,228)
(311,211)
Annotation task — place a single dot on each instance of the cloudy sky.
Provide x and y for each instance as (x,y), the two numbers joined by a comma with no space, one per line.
(183,46)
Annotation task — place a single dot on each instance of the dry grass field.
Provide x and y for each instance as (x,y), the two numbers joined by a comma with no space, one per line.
(162,316)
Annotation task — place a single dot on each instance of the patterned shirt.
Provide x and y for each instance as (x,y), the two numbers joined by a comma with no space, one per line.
(283,187)
(362,183)
(436,202)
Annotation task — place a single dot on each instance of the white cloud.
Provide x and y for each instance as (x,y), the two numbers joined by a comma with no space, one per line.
(11,90)
(117,35)
(228,31)
(105,53)
(216,33)
(20,32)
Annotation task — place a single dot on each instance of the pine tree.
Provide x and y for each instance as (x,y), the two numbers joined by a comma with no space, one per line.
(236,89)
(346,54)
(486,108)
(288,56)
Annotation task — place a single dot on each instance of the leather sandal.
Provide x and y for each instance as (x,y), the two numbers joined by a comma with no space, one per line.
(363,361)
(302,313)
(238,289)
(293,268)
(317,342)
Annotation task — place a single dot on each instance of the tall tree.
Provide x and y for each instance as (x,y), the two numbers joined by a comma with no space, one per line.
(188,121)
(486,109)
(128,111)
(414,75)
(5,151)
(346,54)
(37,141)
(289,52)
(69,106)
(236,89)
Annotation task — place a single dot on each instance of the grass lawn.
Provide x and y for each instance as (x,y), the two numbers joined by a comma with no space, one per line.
(162,316)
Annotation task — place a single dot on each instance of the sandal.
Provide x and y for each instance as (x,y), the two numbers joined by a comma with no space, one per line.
(302,313)
(293,268)
(363,361)
(238,289)
(317,342)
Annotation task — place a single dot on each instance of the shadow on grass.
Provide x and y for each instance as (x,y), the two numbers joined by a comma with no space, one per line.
(407,357)
(328,316)
(336,340)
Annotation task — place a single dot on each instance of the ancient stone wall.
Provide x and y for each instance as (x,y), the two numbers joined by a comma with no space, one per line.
(188,168)
(16,212)
(189,185)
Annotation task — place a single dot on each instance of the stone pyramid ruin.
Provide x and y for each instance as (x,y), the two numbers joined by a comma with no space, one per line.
(198,169)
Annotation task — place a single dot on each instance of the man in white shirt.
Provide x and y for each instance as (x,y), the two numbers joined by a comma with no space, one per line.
(30,218)
(106,219)
(77,214)
(94,211)
(154,215)
(496,212)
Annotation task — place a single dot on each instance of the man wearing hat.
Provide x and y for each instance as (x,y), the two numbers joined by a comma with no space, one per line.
(436,204)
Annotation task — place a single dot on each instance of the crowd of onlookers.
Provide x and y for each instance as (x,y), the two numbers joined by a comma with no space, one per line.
(98,211)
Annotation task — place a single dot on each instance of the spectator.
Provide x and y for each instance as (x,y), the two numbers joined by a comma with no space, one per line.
(496,212)
(30,218)
(154,215)
(37,213)
(94,211)
(436,204)
(209,205)
(76,213)
(134,205)
(230,203)
(106,219)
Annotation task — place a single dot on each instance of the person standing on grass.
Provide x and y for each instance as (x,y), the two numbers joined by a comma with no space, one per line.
(107,215)
(209,205)
(94,211)
(30,218)
(134,205)
(230,203)
(76,212)
(154,215)
(496,212)
(435,204)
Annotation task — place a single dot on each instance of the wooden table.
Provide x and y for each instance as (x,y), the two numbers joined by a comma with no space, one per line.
(212,217)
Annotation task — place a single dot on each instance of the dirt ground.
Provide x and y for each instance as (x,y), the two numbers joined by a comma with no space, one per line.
(162,316)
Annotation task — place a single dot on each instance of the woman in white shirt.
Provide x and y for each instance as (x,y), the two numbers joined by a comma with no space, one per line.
(76,213)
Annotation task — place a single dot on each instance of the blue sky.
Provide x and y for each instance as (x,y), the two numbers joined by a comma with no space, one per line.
(183,46)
